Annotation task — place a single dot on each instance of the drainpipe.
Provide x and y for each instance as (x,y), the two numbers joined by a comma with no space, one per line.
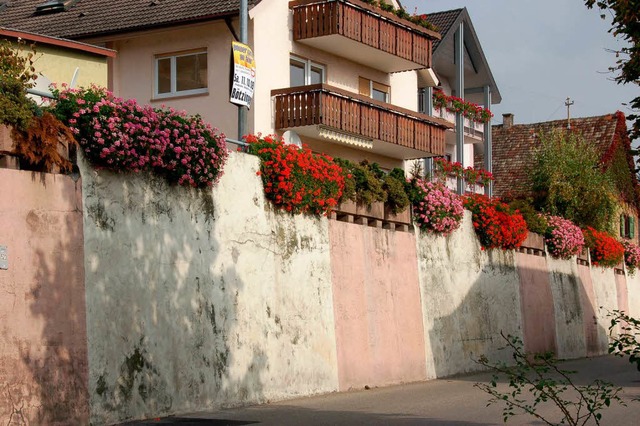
(244,38)
(459,58)
(427,108)
(488,141)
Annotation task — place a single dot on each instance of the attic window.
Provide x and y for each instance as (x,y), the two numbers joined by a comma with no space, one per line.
(54,6)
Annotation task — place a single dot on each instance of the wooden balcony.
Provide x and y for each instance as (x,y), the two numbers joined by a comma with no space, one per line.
(327,113)
(362,33)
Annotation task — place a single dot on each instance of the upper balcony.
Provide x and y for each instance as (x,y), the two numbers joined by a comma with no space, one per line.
(357,31)
(472,129)
(327,113)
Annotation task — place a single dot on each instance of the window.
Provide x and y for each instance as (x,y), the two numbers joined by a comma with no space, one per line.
(378,91)
(303,72)
(627,226)
(181,74)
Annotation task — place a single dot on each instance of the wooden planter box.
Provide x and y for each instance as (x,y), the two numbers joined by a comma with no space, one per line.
(374,211)
(346,207)
(6,145)
(404,217)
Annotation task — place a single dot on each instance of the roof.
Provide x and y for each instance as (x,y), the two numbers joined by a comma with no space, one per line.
(88,18)
(444,21)
(55,41)
(514,146)
(477,71)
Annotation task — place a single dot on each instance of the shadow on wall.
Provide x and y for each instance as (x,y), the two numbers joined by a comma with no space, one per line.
(470,296)
(162,309)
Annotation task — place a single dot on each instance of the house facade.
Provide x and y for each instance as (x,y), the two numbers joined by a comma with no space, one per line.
(342,76)
(515,144)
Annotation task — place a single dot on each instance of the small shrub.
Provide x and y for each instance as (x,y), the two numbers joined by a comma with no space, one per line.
(563,238)
(17,74)
(397,198)
(535,221)
(295,179)
(496,225)
(631,256)
(605,250)
(438,209)
(369,184)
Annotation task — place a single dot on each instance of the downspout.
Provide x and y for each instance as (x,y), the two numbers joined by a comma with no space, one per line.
(244,38)
(459,58)
(488,142)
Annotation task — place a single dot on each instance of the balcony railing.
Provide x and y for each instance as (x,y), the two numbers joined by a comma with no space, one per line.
(471,128)
(406,45)
(327,106)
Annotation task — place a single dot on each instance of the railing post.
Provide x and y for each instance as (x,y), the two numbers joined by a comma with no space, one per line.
(459,57)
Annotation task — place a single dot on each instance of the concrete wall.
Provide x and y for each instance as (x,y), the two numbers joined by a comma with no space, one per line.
(43,340)
(379,337)
(200,299)
(469,296)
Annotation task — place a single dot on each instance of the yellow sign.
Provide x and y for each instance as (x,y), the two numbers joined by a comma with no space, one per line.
(244,74)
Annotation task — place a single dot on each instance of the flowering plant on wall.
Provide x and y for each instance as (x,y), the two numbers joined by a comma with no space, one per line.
(605,250)
(122,135)
(295,179)
(420,20)
(473,112)
(437,209)
(631,256)
(563,238)
(496,225)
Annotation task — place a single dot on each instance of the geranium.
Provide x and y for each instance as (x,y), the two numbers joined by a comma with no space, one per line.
(496,225)
(122,135)
(439,210)
(631,256)
(295,179)
(605,250)
(563,238)
(472,176)
(454,104)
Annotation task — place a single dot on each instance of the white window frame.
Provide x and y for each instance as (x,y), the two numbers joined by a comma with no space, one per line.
(174,92)
(308,64)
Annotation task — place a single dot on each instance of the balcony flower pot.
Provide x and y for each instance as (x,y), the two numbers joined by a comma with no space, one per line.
(374,211)
(403,217)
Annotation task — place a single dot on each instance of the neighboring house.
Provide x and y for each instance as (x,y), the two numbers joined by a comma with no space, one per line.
(58,61)
(341,74)
(514,145)
(469,78)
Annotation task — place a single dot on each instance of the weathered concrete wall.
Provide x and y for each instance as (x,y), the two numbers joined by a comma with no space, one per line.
(538,313)
(589,305)
(633,291)
(379,334)
(606,297)
(566,289)
(469,296)
(202,298)
(43,346)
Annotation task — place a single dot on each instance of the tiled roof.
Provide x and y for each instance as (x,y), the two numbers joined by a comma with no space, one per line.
(97,17)
(513,148)
(444,21)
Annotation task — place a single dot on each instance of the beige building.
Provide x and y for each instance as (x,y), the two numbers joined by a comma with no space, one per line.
(343,76)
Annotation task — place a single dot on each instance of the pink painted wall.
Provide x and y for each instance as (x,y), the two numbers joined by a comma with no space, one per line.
(538,316)
(622,294)
(378,314)
(589,308)
(43,339)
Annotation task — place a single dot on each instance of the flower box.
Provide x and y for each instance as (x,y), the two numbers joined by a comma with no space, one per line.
(404,217)
(6,143)
(374,211)
(347,207)
(534,241)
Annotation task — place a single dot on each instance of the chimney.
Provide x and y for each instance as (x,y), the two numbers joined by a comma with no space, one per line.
(507,120)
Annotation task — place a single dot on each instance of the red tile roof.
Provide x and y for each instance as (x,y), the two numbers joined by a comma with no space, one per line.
(513,147)
(98,17)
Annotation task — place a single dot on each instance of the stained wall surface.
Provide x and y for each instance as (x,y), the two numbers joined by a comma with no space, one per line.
(43,339)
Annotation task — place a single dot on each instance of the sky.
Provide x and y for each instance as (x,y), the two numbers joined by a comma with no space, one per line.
(541,52)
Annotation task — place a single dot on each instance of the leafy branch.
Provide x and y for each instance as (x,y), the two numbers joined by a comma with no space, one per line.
(536,380)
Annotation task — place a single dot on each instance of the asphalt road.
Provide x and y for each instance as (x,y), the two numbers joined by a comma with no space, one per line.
(453,401)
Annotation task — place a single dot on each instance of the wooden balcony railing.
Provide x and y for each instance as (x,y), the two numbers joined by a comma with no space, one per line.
(365,24)
(325,105)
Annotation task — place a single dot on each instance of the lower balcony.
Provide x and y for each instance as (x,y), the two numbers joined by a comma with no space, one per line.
(327,113)
(472,129)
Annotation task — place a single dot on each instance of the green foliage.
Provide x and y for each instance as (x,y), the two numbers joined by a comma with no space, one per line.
(369,183)
(622,175)
(537,380)
(568,182)
(349,191)
(17,74)
(625,342)
(397,198)
(535,221)
(626,15)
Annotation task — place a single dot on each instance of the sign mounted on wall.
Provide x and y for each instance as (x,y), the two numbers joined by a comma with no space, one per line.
(244,74)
